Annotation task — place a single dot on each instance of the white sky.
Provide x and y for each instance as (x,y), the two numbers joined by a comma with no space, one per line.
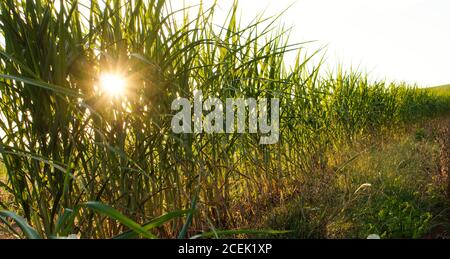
(397,40)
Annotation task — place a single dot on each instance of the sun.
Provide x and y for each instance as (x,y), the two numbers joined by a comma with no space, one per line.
(113,84)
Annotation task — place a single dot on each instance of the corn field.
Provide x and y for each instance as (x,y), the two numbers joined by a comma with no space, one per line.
(65,141)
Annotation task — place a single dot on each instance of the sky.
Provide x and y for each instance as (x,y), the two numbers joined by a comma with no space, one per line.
(393,40)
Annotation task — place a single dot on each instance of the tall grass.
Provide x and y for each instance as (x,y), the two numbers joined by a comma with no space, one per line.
(65,142)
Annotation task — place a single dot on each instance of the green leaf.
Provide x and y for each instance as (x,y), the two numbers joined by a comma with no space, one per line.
(64,218)
(55,88)
(188,222)
(154,223)
(112,213)
(27,230)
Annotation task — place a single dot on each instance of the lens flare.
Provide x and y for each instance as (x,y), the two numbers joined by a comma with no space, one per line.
(113,84)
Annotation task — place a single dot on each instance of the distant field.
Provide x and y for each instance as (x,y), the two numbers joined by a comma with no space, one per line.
(441,90)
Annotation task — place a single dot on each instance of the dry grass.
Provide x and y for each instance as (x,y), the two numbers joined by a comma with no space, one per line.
(393,186)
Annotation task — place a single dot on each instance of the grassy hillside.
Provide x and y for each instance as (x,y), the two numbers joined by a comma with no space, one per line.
(443,90)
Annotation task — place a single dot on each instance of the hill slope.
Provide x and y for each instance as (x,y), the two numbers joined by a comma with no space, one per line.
(441,90)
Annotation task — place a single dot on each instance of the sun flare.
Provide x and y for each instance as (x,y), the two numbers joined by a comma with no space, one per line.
(113,84)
